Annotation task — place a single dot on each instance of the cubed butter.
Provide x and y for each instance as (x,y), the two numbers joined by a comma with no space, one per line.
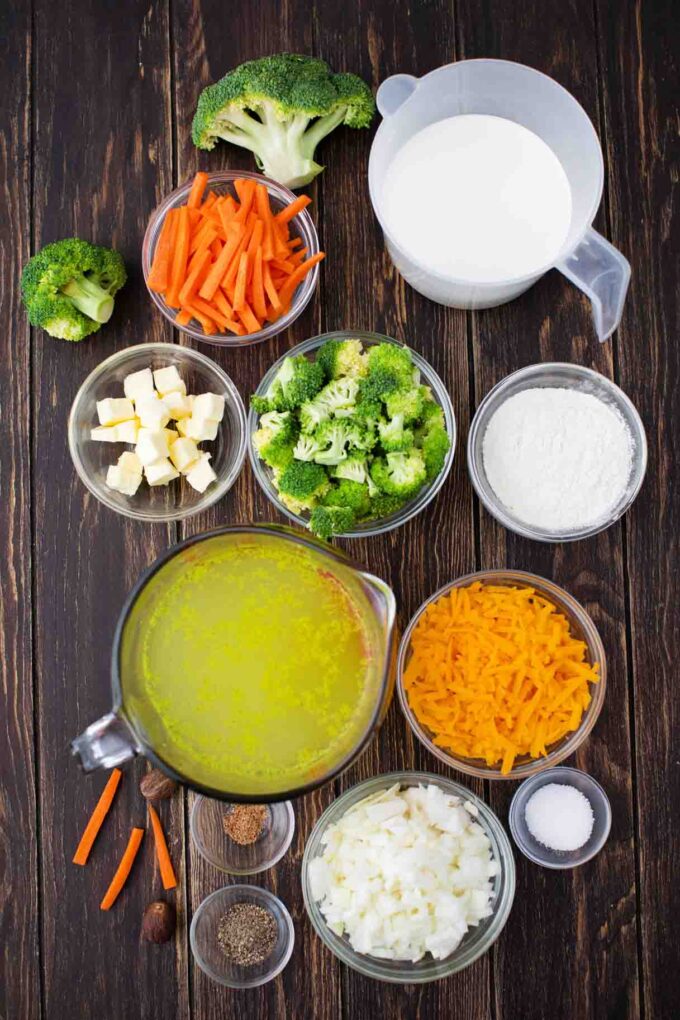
(105,434)
(209,406)
(152,445)
(130,462)
(184,453)
(200,429)
(127,431)
(152,412)
(178,404)
(168,380)
(201,474)
(126,475)
(161,472)
(171,434)
(138,385)
(114,409)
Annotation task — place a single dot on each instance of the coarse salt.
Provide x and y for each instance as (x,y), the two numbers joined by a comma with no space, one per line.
(560,817)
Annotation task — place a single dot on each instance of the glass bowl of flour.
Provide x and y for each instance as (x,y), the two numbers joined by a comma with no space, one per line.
(556,452)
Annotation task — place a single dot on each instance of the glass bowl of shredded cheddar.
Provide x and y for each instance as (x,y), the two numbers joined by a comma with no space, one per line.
(501,674)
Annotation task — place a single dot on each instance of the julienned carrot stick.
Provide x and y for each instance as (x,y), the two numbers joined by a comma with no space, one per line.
(124,869)
(162,258)
(162,854)
(240,283)
(179,259)
(207,324)
(248,319)
(193,280)
(97,817)
(221,264)
(197,189)
(183,318)
(245,189)
(259,304)
(220,300)
(286,292)
(293,209)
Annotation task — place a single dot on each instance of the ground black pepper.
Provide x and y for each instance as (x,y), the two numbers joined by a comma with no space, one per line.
(247,934)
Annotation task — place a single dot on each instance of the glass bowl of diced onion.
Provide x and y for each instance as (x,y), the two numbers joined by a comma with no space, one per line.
(301,225)
(92,458)
(581,627)
(478,938)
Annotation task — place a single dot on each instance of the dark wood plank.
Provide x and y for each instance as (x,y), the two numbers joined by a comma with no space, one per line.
(310,985)
(362,290)
(585,919)
(640,45)
(19,897)
(102,163)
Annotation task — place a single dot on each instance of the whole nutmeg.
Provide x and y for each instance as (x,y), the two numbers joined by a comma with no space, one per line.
(158,922)
(155,785)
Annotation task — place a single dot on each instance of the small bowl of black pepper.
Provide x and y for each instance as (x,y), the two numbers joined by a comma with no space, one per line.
(242,839)
(242,936)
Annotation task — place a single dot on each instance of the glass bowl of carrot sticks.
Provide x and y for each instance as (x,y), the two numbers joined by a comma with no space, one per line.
(231,258)
(501,674)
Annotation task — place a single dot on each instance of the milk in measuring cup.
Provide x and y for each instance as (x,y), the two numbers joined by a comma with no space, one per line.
(477,198)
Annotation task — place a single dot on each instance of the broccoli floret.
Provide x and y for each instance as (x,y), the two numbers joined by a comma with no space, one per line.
(435,446)
(393,436)
(260,405)
(303,483)
(383,505)
(275,438)
(431,413)
(327,521)
(407,403)
(333,437)
(342,357)
(347,493)
(400,474)
(393,359)
(68,287)
(354,468)
(314,412)
(340,396)
(297,381)
(376,386)
(280,107)
(306,448)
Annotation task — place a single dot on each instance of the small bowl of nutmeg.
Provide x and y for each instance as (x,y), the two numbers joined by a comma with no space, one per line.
(242,839)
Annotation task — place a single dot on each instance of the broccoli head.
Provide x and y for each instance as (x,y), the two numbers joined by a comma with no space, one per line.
(327,521)
(314,412)
(275,439)
(393,435)
(408,403)
(297,381)
(342,357)
(400,474)
(303,483)
(340,396)
(68,287)
(353,468)
(383,505)
(332,437)
(435,446)
(306,448)
(347,493)
(431,412)
(279,108)
(392,359)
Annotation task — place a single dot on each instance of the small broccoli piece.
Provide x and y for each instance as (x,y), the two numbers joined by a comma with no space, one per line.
(280,107)
(347,493)
(327,521)
(407,403)
(303,483)
(431,413)
(340,395)
(333,437)
(383,505)
(260,405)
(275,438)
(306,448)
(354,468)
(393,436)
(314,412)
(297,381)
(393,359)
(376,386)
(68,287)
(435,446)
(400,474)
(342,357)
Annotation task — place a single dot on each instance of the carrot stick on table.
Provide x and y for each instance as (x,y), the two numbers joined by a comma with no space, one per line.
(167,871)
(162,257)
(123,870)
(197,189)
(180,256)
(97,817)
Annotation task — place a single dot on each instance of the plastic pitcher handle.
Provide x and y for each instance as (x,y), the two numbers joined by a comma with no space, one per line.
(387,596)
(603,273)
(393,92)
(104,744)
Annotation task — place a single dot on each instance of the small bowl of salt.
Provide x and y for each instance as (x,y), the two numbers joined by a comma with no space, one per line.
(560,818)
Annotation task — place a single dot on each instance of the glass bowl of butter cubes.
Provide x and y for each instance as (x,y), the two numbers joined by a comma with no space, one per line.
(158,432)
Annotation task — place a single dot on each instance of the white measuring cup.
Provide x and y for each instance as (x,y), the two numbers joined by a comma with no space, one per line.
(527,97)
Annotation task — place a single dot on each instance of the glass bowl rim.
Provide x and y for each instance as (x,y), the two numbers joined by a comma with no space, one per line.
(572,741)
(268,897)
(303,293)
(560,770)
(267,863)
(372,966)
(411,509)
(493,400)
(212,495)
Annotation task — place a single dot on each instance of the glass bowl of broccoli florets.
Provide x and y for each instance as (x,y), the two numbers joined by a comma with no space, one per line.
(351,433)
(301,225)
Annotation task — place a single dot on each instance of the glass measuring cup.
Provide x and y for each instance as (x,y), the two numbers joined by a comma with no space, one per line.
(518,93)
(168,707)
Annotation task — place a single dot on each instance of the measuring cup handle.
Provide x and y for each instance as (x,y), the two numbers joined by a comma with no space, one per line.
(105,743)
(603,273)
(387,597)
(393,92)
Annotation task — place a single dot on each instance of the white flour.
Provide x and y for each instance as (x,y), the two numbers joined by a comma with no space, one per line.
(558,459)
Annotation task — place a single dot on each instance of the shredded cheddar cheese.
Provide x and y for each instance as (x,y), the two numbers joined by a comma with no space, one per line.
(496,674)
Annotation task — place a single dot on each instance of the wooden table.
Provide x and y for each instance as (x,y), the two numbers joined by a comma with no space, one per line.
(96,111)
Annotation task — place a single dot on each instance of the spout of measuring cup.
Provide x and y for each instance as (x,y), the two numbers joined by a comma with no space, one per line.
(393,92)
(603,273)
(107,742)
